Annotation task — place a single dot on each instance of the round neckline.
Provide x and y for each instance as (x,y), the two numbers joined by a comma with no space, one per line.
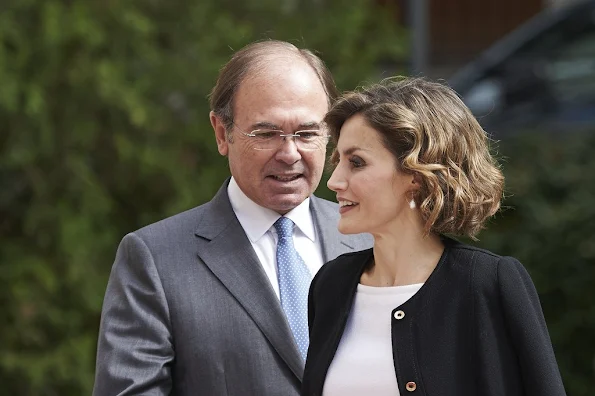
(388,289)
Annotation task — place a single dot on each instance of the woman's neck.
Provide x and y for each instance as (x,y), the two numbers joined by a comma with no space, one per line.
(405,259)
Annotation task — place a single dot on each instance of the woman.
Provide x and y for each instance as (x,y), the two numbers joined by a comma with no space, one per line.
(421,313)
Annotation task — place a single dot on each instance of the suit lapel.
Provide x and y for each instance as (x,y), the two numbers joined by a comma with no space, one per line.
(226,250)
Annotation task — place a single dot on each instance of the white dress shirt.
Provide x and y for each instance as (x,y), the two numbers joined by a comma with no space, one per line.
(257,223)
(363,363)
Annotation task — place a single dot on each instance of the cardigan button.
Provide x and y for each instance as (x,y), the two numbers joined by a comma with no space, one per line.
(399,315)
(411,386)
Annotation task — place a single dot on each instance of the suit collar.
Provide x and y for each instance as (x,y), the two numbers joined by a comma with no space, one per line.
(227,252)
(257,220)
(217,215)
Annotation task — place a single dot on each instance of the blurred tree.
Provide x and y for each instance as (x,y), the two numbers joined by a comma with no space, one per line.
(104,128)
(548,223)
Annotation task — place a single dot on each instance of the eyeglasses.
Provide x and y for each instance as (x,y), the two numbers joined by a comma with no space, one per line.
(272,139)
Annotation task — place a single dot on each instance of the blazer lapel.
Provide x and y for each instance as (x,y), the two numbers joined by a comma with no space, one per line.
(227,251)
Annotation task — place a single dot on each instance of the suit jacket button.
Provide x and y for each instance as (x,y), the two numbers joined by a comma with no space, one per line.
(399,315)
(411,386)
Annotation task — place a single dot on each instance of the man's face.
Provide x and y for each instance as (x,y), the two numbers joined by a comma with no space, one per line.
(287,95)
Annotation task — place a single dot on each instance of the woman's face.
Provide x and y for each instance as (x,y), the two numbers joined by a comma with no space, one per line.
(373,195)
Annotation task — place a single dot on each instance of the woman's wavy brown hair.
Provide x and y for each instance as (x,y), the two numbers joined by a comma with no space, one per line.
(433,135)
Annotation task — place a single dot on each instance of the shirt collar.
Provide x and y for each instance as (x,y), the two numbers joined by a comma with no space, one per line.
(257,220)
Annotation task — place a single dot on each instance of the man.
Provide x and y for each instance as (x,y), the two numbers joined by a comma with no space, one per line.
(212,301)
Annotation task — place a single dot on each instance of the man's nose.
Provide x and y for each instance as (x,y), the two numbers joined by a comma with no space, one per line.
(288,151)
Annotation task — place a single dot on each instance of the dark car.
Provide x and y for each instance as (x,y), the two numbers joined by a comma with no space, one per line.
(541,77)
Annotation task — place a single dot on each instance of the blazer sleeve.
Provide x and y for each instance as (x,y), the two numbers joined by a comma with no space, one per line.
(135,347)
(527,328)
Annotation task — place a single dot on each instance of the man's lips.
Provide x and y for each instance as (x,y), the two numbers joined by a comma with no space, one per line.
(286,178)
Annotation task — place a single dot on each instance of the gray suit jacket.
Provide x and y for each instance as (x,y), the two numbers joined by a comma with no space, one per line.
(189,310)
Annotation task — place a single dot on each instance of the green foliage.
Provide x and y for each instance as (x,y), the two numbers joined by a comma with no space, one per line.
(549,224)
(104,128)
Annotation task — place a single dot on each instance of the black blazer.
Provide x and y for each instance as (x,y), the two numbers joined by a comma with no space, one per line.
(475,328)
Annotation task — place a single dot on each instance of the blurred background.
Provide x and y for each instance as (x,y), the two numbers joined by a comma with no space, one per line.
(104,128)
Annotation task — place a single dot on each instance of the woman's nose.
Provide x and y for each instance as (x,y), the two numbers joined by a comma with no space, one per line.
(336,182)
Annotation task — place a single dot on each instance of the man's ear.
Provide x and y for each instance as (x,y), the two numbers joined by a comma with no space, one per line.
(220,133)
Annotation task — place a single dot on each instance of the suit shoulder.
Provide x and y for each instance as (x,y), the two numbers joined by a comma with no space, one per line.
(329,209)
(325,203)
(183,223)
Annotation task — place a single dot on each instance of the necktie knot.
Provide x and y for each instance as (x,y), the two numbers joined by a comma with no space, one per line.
(284,227)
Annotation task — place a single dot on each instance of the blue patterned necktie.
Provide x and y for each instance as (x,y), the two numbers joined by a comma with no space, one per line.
(294,282)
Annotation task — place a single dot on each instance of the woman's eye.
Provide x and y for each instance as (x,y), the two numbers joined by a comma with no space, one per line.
(356,162)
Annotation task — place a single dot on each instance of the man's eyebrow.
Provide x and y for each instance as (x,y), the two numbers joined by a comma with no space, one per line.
(270,125)
(264,125)
(309,125)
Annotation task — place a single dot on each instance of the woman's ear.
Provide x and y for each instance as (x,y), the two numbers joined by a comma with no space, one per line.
(415,181)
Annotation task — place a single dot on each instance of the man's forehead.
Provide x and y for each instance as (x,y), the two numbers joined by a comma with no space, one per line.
(278,70)
(295,85)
